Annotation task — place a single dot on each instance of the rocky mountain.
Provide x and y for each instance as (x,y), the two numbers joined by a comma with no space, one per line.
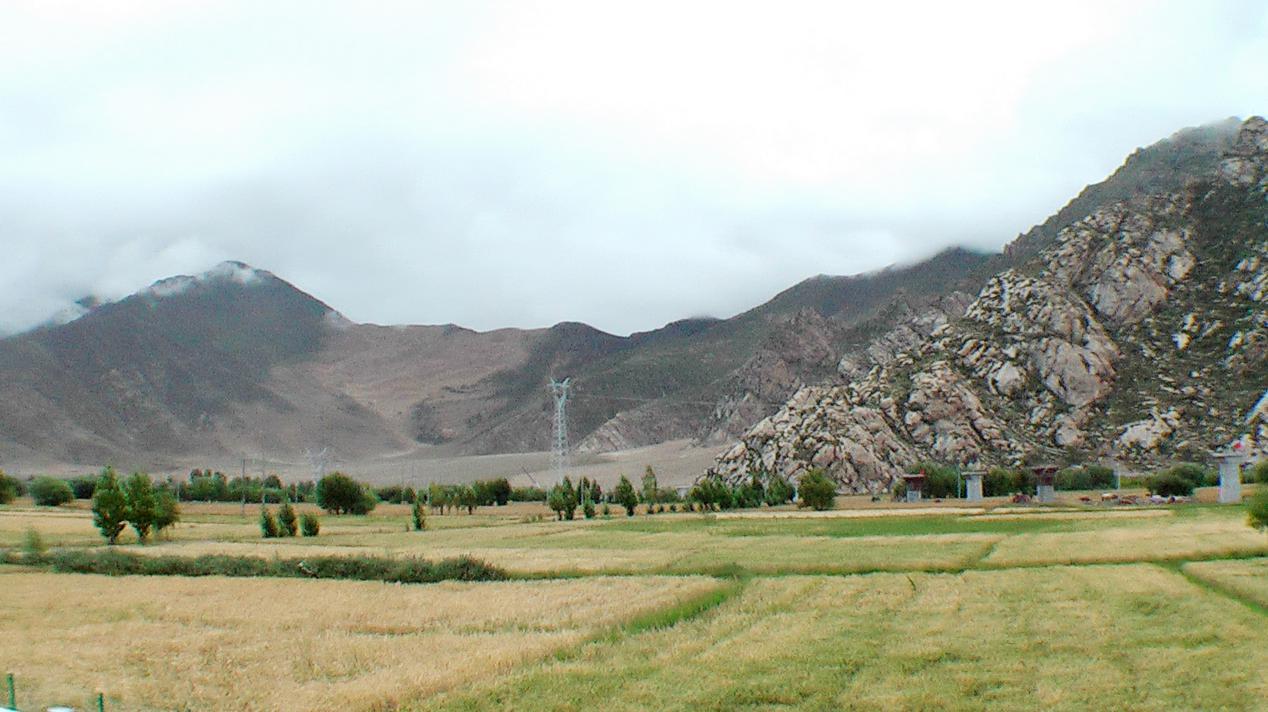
(238,362)
(1138,333)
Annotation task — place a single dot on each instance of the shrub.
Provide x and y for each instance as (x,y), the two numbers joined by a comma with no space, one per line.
(941,481)
(1168,484)
(8,488)
(1001,482)
(528,494)
(142,504)
(651,488)
(287,524)
(778,491)
(50,491)
(563,500)
(309,525)
(816,490)
(750,494)
(361,568)
(33,548)
(1257,510)
(338,494)
(712,492)
(1198,475)
(268,524)
(109,506)
(587,508)
(166,510)
(1256,473)
(1088,477)
(607,511)
(626,496)
(83,487)
(419,516)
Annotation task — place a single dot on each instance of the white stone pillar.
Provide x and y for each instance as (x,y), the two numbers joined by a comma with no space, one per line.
(1230,462)
(973,485)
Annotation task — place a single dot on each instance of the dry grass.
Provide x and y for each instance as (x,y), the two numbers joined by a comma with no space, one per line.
(1247,579)
(1123,637)
(1204,535)
(268,644)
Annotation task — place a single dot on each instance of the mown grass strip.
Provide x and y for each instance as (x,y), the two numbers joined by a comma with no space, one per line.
(1215,587)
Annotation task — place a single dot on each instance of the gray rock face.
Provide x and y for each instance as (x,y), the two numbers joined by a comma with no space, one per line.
(1141,330)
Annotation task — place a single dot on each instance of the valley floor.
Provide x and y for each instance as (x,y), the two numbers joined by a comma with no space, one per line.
(866,607)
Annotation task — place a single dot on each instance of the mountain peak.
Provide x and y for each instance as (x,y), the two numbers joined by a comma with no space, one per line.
(229,271)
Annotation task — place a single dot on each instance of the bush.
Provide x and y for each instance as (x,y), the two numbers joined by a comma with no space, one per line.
(816,490)
(83,487)
(360,568)
(1001,482)
(626,496)
(33,547)
(8,488)
(1257,509)
(142,504)
(1169,484)
(50,491)
(712,492)
(419,516)
(166,510)
(778,491)
(338,494)
(309,525)
(109,506)
(1258,473)
(941,481)
(287,525)
(1088,477)
(528,494)
(607,511)
(587,508)
(268,524)
(1198,475)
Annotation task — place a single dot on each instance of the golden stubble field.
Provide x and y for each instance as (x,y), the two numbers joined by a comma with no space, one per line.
(157,643)
(868,607)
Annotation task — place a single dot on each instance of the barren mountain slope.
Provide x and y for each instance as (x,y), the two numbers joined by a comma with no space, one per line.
(1140,333)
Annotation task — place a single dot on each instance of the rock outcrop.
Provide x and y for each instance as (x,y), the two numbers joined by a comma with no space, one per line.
(1139,333)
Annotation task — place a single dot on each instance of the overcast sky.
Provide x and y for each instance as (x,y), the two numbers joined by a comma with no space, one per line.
(520,164)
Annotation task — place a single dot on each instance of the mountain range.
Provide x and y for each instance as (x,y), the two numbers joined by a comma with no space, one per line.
(238,360)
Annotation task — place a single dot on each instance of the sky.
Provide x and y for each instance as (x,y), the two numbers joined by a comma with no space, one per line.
(524,163)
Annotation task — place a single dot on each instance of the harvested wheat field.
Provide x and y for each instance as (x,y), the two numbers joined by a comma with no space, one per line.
(1246,579)
(1122,637)
(267,644)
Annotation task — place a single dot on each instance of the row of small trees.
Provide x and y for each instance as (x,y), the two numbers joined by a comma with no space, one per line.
(285,523)
(134,501)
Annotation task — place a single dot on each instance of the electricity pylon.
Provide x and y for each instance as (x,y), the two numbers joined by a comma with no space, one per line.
(559,441)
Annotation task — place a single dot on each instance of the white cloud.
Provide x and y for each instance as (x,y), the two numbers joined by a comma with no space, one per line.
(521,164)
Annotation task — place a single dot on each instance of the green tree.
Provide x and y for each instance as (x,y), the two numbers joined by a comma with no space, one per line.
(109,506)
(166,510)
(626,496)
(651,488)
(419,516)
(287,523)
(1257,473)
(50,491)
(142,504)
(587,508)
(816,490)
(309,524)
(338,494)
(1257,510)
(8,488)
(268,524)
(468,499)
(778,491)
(501,488)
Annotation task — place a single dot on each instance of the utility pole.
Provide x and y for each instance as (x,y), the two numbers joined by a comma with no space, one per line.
(559,443)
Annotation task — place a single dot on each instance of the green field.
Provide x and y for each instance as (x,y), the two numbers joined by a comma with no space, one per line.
(869,607)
